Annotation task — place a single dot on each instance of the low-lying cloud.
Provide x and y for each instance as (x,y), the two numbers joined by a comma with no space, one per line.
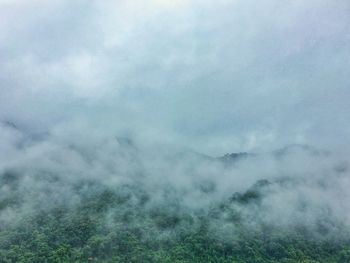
(147,95)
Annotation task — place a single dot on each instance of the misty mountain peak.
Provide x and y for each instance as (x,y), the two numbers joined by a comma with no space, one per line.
(234,157)
(9,124)
(126,142)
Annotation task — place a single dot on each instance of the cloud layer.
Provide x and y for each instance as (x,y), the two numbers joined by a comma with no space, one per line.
(223,77)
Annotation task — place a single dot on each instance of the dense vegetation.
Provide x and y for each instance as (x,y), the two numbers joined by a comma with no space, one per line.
(120,224)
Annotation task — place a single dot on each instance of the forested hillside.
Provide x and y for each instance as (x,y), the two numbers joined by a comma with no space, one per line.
(50,217)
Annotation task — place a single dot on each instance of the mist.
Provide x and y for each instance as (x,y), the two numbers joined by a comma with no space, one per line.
(234,111)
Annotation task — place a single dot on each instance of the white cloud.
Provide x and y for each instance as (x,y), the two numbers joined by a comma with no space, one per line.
(229,76)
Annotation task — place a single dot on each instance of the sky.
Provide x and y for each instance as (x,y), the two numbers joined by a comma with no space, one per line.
(78,78)
(212,76)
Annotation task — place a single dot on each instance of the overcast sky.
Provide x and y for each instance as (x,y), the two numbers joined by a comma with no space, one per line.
(215,76)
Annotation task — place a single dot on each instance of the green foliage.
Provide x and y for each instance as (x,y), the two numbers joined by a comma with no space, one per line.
(117,225)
